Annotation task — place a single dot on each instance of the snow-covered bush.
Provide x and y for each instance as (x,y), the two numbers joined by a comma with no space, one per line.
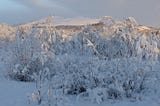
(101,67)
(108,60)
(25,57)
(42,79)
(121,78)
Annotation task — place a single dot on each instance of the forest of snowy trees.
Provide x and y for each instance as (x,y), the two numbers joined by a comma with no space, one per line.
(108,60)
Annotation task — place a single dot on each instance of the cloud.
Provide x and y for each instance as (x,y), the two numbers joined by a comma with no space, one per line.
(29,3)
(34,9)
(145,11)
(38,4)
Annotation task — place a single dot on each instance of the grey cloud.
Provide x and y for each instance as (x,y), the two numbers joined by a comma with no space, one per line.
(29,3)
(38,4)
(145,11)
(35,9)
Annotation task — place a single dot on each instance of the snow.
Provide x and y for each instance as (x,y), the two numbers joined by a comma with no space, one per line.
(75,21)
(120,103)
(13,93)
(111,62)
(58,21)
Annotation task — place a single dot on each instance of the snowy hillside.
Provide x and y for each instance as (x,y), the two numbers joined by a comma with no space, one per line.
(98,61)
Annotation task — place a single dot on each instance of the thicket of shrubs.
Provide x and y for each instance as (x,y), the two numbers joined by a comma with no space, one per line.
(114,62)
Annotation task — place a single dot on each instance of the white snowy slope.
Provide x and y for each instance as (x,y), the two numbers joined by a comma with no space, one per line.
(111,62)
(56,21)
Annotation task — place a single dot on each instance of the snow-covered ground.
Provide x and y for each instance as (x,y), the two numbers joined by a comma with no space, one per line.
(14,93)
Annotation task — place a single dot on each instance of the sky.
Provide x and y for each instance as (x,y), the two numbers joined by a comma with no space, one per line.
(146,12)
